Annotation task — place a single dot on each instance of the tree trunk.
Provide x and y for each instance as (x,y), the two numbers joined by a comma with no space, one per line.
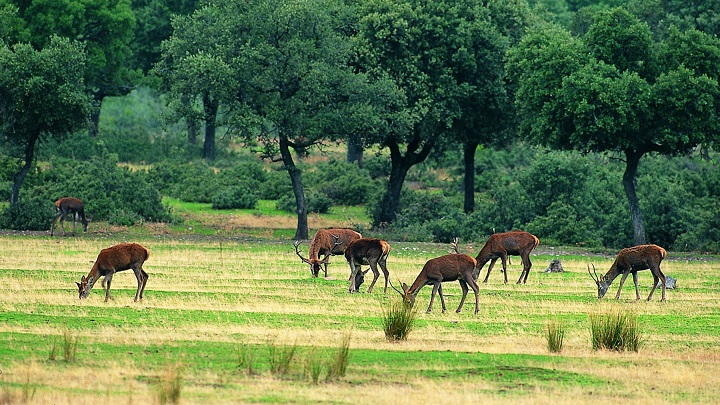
(355,150)
(211,109)
(20,176)
(192,130)
(94,124)
(301,232)
(630,185)
(400,165)
(469,181)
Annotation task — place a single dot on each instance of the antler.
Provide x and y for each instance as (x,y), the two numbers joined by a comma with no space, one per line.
(595,278)
(297,243)
(454,244)
(398,291)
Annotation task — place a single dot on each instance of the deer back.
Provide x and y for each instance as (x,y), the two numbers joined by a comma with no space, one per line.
(331,241)
(444,268)
(361,249)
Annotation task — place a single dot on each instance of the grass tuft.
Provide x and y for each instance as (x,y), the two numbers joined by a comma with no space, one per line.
(246,359)
(555,335)
(314,366)
(338,364)
(170,385)
(281,358)
(615,330)
(398,320)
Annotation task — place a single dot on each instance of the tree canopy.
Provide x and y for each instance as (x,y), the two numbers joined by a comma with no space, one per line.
(611,90)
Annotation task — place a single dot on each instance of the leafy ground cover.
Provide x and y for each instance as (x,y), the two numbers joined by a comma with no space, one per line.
(210,298)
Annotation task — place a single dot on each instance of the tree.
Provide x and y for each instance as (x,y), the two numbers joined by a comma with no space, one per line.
(609,91)
(432,52)
(103,26)
(196,69)
(42,95)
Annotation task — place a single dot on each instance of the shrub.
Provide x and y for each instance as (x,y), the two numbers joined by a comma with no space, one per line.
(30,213)
(316,202)
(277,185)
(555,335)
(616,330)
(398,320)
(237,197)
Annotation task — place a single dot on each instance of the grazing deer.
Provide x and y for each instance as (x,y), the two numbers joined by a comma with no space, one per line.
(631,260)
(500,245)
(369,251)
(69,205)
(113,259)
(452,267)
(326,242)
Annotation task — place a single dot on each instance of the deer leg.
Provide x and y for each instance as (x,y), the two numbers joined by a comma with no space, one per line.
(503,260)
(74,217)
(325,263)
(657,276)
(140,280)
(52,224)
(62,222)
(353,273)
(386,273)
(442,297)
(476,290)
(464,287)
(145,279)
(436,286)
(527,264)
(376,275)
(106,285)
(635,280)
(487,275)
(622,281)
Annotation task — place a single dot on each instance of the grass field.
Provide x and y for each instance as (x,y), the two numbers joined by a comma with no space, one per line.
(215,304)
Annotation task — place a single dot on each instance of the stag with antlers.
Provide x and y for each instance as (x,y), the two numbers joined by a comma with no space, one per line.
(72,206)
(453,267)
(632,260)
(499,246)
(326,242)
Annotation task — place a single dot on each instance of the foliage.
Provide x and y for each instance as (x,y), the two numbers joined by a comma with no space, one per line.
(316,202)
(234,197)
(344,183)
(30,213)
(615,330)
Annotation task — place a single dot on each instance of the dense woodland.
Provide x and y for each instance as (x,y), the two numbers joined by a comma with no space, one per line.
(588,123)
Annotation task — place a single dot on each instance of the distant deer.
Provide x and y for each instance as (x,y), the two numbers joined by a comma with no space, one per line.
(69,205)
(499,246)
(452,267)
(326,242)
(369,251)
(116,258)
(631,260)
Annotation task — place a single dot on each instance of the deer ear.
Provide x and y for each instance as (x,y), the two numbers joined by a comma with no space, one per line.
(405,287)
(82,280)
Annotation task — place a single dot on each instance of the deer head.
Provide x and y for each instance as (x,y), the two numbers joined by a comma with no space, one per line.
(602,284)
(84,286)
(314,263)
(408,299)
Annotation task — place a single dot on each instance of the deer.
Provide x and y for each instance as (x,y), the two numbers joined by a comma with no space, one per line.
(451,267)
(69,205)
(116,258)
(326,242)
(632,260)
(499,246)
(370,251)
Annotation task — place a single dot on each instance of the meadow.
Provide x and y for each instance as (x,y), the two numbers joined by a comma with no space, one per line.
(219,308)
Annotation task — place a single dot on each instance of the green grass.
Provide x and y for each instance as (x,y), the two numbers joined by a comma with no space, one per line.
(216,306)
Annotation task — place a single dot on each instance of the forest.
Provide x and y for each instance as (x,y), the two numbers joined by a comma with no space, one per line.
(587,123)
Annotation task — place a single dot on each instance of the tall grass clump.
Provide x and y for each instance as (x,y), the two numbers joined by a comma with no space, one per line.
(69,347)
(246,358)
(615,330)
(281,358)
(170,385)
(338,364)
(398,320)
(314,366)
(555,335)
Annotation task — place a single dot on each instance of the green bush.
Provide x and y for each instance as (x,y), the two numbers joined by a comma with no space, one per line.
(316,202)
(344,183)
(30,214)
(277,185)
(238,197)
(555,335)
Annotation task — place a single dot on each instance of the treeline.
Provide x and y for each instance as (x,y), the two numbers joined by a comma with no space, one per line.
(417,80)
